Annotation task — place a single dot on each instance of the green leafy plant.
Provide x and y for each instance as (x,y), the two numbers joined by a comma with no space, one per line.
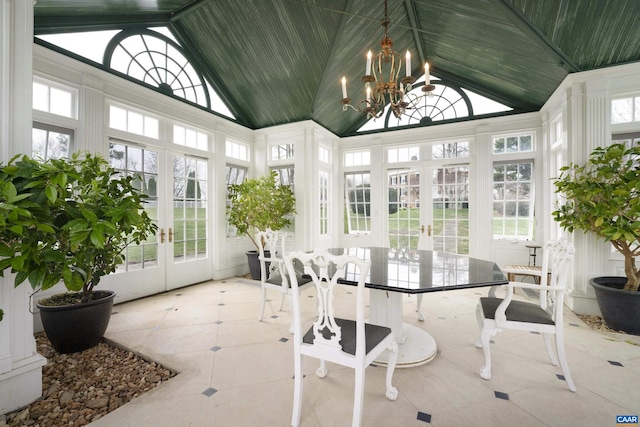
(603,197)
(67,220)
(258,204)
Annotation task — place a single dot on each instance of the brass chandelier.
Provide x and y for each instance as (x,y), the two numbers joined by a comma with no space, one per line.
(381,80)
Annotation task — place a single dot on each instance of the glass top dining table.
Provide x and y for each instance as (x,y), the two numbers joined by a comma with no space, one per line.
(395,272)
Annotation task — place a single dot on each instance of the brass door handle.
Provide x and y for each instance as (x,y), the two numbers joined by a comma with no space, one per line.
(429,230)
(162,235)
(170,235)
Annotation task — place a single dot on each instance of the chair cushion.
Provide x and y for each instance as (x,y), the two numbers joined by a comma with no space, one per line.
(517,311)
(374,334)
(276,279)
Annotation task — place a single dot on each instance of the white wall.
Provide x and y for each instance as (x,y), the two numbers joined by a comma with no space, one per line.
(583,102)
(20,364)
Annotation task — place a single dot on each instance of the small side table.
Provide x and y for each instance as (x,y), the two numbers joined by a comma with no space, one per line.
(532,253)
(522,270)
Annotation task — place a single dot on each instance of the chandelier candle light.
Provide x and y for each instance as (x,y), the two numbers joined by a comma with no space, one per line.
(381,80)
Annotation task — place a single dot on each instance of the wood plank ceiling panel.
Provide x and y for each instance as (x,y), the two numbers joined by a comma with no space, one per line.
(269,56)
(472,40)
(593,33)
(280,61)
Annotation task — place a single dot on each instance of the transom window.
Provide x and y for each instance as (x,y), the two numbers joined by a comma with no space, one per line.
(512,144)
(625,110)
(189,137)
(446,102)
(155,59)
(282,151)
(357,158)
(151,56)
(54,98)
(127,120)
(403,154)
(450,150)
(237,150)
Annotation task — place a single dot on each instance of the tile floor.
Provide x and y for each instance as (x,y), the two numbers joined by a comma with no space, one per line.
(236,371)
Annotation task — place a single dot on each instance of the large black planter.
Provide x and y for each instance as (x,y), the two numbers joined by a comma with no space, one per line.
(254,264)
(620,309)
(73,328)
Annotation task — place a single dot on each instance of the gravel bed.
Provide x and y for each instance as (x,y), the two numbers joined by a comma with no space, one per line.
(81,387)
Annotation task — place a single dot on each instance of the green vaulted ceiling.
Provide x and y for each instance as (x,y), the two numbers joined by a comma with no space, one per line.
(280,61)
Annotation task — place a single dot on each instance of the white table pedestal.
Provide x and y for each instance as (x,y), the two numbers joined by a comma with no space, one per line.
(415,345)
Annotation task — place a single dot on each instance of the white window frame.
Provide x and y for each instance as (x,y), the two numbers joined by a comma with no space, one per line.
(50,84)
(148,120)
(57,129)
(367,222)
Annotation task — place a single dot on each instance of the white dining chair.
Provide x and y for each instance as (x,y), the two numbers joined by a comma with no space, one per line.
(351,343)
(273,275)
(544,316)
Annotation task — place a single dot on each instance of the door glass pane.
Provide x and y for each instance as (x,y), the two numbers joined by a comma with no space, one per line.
(404,208)
(142,164)
(190,209)
(450,204)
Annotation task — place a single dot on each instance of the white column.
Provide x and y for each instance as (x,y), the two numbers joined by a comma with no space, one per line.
(481,225)
(92,138)
(20,364)
(588,128)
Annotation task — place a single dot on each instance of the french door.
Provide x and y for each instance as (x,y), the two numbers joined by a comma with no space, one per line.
(428,208)
(188,259)
(177,190)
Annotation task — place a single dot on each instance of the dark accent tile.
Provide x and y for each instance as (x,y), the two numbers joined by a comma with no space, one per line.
(114,312)
(560,377)
(209,392)
(222,292)
(274,317)
(535,332)
(218,322)
(178,295)
(283,339)
(574,324)
(221,304)
(501,395)
(614,363)
(423,416)
(215,348)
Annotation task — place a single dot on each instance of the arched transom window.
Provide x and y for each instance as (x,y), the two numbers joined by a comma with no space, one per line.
(158,61)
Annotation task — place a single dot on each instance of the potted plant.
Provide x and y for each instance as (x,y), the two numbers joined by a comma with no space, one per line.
(603,197)
(256,205)
(69,220)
